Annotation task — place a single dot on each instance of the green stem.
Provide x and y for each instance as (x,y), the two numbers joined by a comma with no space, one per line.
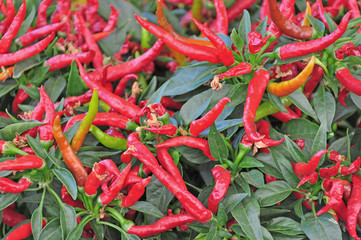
(111,225)
(55,196)
(194,187)
(243,150)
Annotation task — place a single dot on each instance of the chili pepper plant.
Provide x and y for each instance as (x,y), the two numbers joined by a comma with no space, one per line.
(180,119)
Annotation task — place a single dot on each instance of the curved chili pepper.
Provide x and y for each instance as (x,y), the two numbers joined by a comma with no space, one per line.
(168,129)
(9,186)
(238,7)
(107,140)
(119,90)
(285,88)
(106,119)
(90,41)
(342,95)
(194,51)
(12,58)
(304,169)
(225,55)
(7,73)
(112,20)
(197,126)
(311,178)
(65,196)
(316,77)
(4,25)
(222,178)
(351,83)
(135,193)
(355,166)
(85,124)
(41,16)
(285,117)
(303,48)
(64,60)
(20,97)
(347,186)
(190,202)
(13,29)
(22,231)
(22,163)
(30,37)
(287,10)
(354,206)
(239,69)
(166,160)
(114,133)
(287,27)
(331,171)
(12,218)
(91,9)
(192,142)
(220,24)
(162,225)
(335,188)
(114,188)
(70,159)
(305,203)
(46,131)
(122,106)
(263,129)
(256,42)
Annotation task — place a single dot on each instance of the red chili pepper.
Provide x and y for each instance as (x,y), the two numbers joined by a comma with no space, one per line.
(316,77)
(13,29)
(238,7)
(41,17)
(90,41)
(20,97)
(264,12)
(347,186)
(270,178)
(311,178)
(4,25)
(168,129)
(344,49)
(240,69)
(65,196)
(335,156)
(9,186)
(256,42)
(46,131)
(342,95)
(61,11)
(63,60)
(287,10)
(335,189)
(12,218)
(135,193)
(22,231)
(304,169)
(192,142)
(91,9)
(12,58)
(162,225)
(285,117)
(355,166)
(351,83)
(112,20)
(119,90)
(222,178)
(22,163)
(194,51)
(303,48)
(305,203)
(190,202)
(167,162)
(30,37)
(122,106)
(197,126)
(263,128)
(220,24)
(70,159)
(107,196)
(331,171)
(225,55)
(169,102)
(354,206)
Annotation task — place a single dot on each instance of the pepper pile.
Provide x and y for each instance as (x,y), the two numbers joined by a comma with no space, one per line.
(180,119)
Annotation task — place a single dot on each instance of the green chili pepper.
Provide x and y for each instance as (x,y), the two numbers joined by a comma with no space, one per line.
(107,140)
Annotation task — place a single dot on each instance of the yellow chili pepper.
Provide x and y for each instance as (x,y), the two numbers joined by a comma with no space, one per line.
(287,87)
(306,21)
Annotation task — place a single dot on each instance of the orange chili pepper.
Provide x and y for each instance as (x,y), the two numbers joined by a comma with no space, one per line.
(6,73)
(70,159)
(163,23)
(287,87)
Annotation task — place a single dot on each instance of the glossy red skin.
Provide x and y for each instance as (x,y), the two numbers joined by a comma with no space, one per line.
(240,69)
(316,77)
(41,19)
(304,169)
(287,10)
(135,193)
(351,83)
(222,178)
(9,186)
(10,14)
(355,166)
(303,48)
(22,163)
(238,7)
(285,117)
(11,218)
(63,60)
(30,37)
(354,206)
(220,24)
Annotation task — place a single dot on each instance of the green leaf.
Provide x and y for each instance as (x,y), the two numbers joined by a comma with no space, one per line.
(37,147)
(284,166)
(98,229)
(195,106)
(238,41)
(250,162)
(51,231)
(295,150)
(331,24)
(245,26)
(192,155)
(27,21)
(221,215)
(317,25)
(301,129)
(217,146)
(32,91)
(247,215)
(302,103)
(75,233)
(241,181)
(273,192)
(270,167)
(230,201)
(36,222)
(25,65)
(67,219)
(54,86)
(212,234)
(7,86)
(9,132)
(147,208)
(284,225)
(262,27)
(68,180)
(324,226)
(254,178)
(75,86)
(277,102)
(7,199)
(356,99)
(320,141)
(325,106)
